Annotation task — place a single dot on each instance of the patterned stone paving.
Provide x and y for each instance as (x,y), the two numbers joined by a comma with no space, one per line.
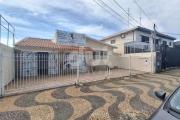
(130,99)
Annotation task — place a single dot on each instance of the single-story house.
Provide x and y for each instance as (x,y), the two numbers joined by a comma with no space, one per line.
(48,56)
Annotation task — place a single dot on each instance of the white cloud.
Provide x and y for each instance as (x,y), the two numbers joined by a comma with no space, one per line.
(29,32)
(31,5)
(97,30)
(163,12)
(13,19)
(33,14)
(87,8)
(22,32)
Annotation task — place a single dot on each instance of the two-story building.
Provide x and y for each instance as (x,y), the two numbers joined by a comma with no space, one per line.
(137,40)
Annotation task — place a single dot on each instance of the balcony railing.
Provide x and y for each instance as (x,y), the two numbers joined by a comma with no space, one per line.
(128,49)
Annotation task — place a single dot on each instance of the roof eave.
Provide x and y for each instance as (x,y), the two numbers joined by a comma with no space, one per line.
(51,48)
(158,33)
(101,42)
(116,34)
(21,41)
(140,29)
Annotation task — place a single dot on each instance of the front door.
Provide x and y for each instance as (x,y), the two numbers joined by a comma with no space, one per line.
(42,63)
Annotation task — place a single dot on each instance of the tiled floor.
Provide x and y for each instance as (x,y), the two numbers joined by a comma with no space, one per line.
(116,100)
(22,85)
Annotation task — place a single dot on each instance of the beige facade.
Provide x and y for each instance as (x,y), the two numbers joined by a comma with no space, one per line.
(99,46)
(133,35)
(128,37)
(119,41)
(141,62)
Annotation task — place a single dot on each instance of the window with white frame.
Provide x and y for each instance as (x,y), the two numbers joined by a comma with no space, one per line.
(113,41)
(99,55)
(96,55)
(169,43)
(164,42)
(103,54)
(144,39)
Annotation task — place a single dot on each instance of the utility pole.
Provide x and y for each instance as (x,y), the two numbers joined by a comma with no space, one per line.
(140,17)
(152,45)
(128,18)
(154,35)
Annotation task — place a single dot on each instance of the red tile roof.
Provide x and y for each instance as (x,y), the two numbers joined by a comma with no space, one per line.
(47,43)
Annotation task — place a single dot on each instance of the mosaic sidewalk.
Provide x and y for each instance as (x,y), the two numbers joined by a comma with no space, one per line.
(114,100)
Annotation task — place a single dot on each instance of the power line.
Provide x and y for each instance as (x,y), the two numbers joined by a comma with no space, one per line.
(114,11)
(143,11)
(116,6)
(110,12)
(125,11)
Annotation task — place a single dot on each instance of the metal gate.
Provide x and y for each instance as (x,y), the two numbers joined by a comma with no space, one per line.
(29,71)
(170,57)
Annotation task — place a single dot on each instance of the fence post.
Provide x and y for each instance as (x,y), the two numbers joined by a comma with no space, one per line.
(108,70)
(130,65)
(142,48)
(2,76)
(77,82)
(152,63)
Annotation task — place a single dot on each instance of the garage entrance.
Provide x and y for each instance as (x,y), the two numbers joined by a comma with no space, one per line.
(170,57)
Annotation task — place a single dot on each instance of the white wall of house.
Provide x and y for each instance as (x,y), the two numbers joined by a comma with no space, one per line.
(62,52)
(139,33)
(60,55)
(54,40)
(130,36)
(6,64)
(138,61)
(119,41)
(96,46)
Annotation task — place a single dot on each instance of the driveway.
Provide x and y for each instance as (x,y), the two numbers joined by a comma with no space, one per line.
(116,99)
(172,71)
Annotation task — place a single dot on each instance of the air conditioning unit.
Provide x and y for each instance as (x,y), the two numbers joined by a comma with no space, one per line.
(123,35)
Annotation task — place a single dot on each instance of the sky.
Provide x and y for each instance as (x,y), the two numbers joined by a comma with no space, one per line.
(40,18)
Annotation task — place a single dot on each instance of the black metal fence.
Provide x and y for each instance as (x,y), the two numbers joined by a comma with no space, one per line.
(170,57)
